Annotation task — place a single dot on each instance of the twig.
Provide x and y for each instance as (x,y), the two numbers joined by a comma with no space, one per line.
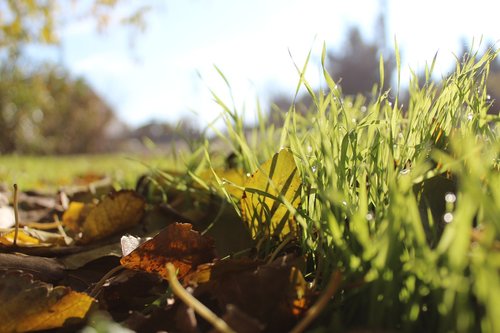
(16,215)
(316,309)
(41,225)
(102,281)
(193,303)
(60,228)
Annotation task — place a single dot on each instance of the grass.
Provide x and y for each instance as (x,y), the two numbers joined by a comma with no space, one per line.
(51,172)
(405,202)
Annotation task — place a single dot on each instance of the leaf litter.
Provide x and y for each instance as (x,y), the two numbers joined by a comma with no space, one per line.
(112,251)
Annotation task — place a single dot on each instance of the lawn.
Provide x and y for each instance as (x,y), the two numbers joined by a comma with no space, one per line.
(51,172)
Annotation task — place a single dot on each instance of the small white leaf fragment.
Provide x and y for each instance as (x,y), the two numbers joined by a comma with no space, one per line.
(130,243)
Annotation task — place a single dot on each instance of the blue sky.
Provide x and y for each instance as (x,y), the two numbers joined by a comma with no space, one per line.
(168,72)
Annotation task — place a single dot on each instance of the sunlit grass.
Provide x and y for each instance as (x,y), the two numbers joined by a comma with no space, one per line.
(52,172)
(404,200)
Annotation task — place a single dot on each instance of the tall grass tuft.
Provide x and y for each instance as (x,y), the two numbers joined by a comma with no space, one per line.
(404,200)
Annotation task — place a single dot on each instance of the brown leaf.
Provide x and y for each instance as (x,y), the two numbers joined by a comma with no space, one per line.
(275,294)
(80,259)
(178,244)
(240,322)
(116,212)
(129,291)
(29,305)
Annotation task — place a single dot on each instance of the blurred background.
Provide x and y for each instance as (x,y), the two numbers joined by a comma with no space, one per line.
(90,76)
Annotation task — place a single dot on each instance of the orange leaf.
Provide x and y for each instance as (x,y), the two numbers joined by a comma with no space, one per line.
(178,244)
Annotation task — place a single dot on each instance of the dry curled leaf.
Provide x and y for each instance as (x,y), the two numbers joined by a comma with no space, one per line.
(30,305)
(115,212)
(274,294)
(178,244)
(267,192)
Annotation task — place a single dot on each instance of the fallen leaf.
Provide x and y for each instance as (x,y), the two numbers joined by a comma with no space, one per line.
(116,212)
(80,259)
(90,178)
(29,305)
(74,217)
(29,237)
(263,208)
(240,321)
(214,270)
(129,243)
(274,294)
(72,305)
(178,244)
(129,291)
(232,180)
(23,239)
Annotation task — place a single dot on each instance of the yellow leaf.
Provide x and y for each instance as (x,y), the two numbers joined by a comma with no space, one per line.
(267,192)
(232,180)
(30,237)
(73,217)
(72,305)
(23,239)
(116,212)
(29,305)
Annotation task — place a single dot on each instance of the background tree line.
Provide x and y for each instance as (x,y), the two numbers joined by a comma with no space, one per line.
(45,110)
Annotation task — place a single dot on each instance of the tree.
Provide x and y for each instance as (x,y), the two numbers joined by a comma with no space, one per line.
(48,111)
(25,22)
(44,109)
(356,68)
